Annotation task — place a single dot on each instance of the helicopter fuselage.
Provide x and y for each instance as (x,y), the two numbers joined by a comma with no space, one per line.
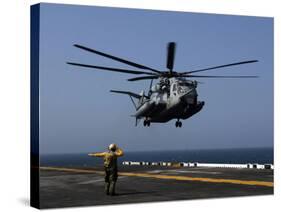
(173,98)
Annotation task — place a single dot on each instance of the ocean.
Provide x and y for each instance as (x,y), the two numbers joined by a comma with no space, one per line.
(234,156)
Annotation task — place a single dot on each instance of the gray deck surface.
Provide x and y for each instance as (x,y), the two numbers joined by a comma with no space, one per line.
(69,189)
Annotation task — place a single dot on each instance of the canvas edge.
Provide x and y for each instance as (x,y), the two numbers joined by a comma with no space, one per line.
(34,105)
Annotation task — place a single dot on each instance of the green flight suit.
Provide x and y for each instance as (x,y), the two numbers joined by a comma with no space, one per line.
(111,169)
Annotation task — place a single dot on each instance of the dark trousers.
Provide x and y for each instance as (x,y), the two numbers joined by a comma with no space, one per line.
(110,181)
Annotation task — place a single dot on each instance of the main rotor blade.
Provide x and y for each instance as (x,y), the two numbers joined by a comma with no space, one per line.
(116,58)
(111,69)
(171,56)
(200,76)
(222,66)
(143,78)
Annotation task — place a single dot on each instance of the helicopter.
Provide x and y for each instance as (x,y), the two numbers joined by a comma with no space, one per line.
(174,96)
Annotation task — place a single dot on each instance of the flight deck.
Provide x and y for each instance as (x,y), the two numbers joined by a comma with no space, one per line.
(84,186)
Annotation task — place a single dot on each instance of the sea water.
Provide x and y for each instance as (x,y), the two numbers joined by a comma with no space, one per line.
(234,156)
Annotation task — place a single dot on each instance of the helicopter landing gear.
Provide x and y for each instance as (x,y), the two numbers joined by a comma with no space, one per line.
(146,123)
(178,123)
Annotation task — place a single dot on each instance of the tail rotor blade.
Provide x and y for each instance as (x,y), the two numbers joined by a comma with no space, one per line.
(150,86)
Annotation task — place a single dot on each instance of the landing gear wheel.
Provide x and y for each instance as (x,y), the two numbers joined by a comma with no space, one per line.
(178,124)
(146,123)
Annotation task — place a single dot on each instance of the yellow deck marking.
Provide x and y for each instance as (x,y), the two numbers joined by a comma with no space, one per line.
(88,171)
(168,177)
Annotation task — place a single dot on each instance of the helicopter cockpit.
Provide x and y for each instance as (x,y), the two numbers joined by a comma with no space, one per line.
(188,83)
(182,86)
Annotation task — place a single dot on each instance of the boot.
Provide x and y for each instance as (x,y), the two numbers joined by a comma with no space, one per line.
(107,188)
(112,188)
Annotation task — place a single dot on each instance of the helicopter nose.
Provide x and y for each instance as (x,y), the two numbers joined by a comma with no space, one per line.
(190,96)
(190,93)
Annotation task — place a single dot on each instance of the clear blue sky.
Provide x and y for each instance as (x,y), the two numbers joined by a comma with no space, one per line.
(79,114)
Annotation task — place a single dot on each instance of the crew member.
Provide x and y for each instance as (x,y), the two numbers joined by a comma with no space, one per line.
(110,166)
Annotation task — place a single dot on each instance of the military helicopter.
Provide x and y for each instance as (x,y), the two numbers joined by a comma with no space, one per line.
(172,97)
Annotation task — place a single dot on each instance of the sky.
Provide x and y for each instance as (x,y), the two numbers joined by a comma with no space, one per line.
(79,114)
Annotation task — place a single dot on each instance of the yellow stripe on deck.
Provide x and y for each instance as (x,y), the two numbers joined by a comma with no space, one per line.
(87,171)
(168,177)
